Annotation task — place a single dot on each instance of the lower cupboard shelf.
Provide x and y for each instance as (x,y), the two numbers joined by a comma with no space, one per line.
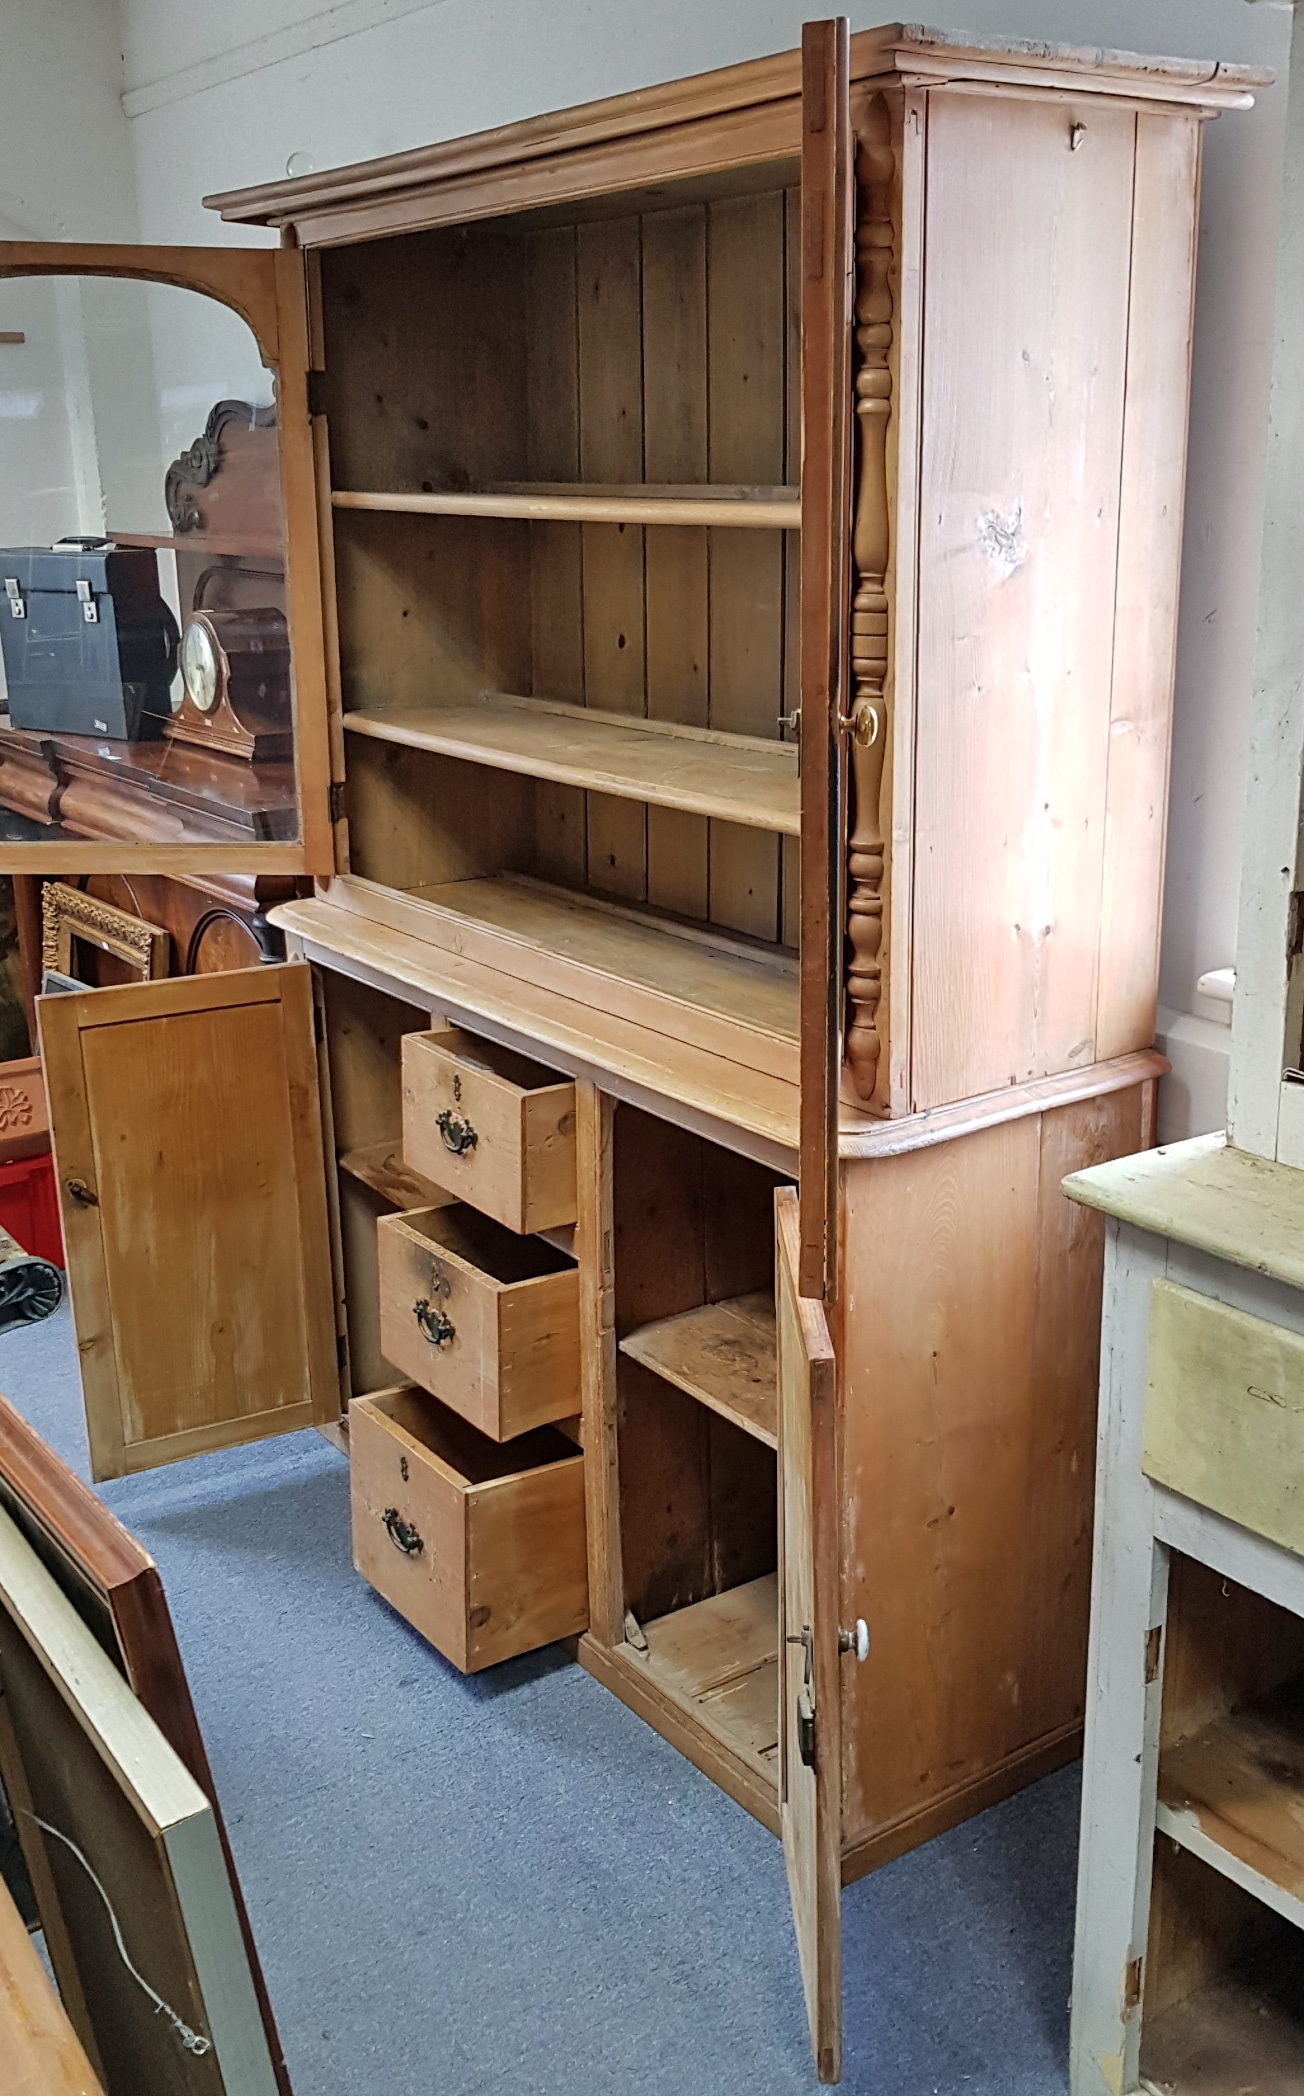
(1241,2034)
(479,1544)
(1233,1795)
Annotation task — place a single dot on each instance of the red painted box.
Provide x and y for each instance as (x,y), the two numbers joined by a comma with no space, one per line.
(29,1206)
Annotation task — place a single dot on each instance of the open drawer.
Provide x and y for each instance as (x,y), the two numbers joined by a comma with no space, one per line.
(494,1128)
(481,1548)
(485,1320)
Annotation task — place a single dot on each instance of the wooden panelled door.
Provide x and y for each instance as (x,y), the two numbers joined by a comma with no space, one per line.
(827,265)
(187,1131)
(810,1709)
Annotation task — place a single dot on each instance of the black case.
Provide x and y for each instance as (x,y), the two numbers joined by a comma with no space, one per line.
(106,675)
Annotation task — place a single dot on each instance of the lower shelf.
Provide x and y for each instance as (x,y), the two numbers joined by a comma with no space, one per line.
(720,1660)
(708,1683)
(382,1167)
(1241,2035)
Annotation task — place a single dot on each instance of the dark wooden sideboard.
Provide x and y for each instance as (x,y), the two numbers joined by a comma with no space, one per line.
(88,786)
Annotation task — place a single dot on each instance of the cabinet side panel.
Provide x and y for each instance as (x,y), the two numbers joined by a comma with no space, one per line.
(1025,328)
(1057,1518)
(968,1359)
(1164,229)
(936,1322)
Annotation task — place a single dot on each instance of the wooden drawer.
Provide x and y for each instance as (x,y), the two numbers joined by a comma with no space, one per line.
(480,1547)
(1225,1412)
(486,1320)
(494,1129)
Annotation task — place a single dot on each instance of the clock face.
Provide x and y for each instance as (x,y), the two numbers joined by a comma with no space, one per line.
(199,667)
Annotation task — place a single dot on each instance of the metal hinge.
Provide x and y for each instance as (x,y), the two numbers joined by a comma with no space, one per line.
(14,594)
(1154,1644)
(1295,927)
(806,1699)
(337,800)
(316,392)
(1132,1976)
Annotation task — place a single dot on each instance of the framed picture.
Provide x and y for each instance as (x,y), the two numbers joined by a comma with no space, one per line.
(68,917)
(122,1845)
(114,1589)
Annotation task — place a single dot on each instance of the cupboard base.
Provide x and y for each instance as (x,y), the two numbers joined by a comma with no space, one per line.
(871,1851)
(620,1670)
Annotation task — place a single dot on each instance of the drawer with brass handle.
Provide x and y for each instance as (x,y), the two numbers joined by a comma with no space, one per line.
(492,1127)
(480,1547)
(485,1320)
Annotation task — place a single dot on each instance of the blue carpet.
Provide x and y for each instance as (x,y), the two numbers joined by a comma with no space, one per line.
(509,1886)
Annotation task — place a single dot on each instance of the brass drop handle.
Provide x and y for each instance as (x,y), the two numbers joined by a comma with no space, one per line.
(78,1192)
(402,1534)
(862,724)
(458,1136)
(437,1325)
(856,1640)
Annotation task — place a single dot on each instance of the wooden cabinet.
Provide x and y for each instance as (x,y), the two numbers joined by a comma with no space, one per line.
(749,521)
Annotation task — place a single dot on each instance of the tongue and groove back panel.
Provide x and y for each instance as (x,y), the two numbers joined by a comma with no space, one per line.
(658,346)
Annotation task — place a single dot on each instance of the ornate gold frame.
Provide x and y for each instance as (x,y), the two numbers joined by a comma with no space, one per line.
(67,914)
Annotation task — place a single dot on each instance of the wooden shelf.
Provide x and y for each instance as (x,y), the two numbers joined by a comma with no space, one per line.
(206,542)
(719,1662)
(724,1355)
(743,779)
(653,1009)
(1233,1795)
(541,502)
(381,1167)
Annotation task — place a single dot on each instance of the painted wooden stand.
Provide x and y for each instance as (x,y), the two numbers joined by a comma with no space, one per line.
(1189,1967)
(1189,1971)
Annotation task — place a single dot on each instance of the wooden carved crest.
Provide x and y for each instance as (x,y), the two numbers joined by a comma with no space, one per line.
(198,465)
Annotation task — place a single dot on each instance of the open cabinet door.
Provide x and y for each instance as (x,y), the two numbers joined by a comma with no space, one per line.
(187,1132)
(167,422)
(810,1710)
(828,256)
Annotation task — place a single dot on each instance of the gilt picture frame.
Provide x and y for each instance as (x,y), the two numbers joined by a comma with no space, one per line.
(68,915)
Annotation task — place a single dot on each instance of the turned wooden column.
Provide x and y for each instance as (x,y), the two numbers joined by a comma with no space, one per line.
(869,609)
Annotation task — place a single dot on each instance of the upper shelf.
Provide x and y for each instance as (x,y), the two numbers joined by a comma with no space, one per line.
(540,502)
(724,1355)
(745,779)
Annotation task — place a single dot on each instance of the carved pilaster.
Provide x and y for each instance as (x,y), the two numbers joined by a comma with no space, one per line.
(869,608)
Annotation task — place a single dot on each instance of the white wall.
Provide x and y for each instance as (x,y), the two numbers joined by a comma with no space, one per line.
(218,96)
(66,170)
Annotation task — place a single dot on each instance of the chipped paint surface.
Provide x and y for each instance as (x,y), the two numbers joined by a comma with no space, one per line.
(1002,540)
(1111,2070)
